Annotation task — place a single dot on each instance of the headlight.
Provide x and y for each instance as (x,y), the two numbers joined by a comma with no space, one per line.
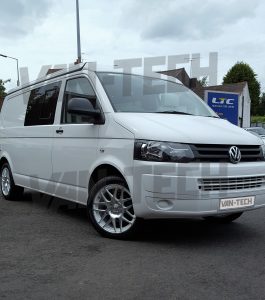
(263,150)
(162,151)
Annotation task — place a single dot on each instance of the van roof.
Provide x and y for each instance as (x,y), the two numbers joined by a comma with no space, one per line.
(65,71)
(87,66)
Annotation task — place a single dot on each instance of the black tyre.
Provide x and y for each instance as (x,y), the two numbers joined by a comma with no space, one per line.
(227,218)
(8,188)
(110,209)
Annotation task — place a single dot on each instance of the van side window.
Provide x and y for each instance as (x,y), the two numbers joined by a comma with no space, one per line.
(42,105)
(78,88)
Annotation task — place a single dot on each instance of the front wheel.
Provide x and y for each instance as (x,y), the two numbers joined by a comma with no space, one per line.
(226,218)
(111,210)
(9,190)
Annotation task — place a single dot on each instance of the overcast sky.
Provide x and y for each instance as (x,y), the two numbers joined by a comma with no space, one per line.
(40,32)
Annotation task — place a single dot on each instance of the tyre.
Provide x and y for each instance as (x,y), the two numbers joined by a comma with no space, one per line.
(8,188)
(227,218)
(110,209)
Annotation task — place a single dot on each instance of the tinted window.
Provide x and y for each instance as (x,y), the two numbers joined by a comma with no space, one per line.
(42,105)
(78,88)
(135,93)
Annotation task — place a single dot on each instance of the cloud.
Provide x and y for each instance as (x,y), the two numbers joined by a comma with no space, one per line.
(19,17)
(191,19)
(121,29)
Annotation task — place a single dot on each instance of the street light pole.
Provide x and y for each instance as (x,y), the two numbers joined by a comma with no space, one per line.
(5,56)
(79,56)
(18,81)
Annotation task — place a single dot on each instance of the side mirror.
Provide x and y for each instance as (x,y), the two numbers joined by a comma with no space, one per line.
(83,107)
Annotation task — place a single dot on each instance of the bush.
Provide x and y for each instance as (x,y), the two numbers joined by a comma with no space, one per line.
(258,119)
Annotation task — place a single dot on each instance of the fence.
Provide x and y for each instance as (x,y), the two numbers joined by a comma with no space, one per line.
(258,124)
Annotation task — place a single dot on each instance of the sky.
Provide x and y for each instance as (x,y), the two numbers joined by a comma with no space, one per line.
(41,32)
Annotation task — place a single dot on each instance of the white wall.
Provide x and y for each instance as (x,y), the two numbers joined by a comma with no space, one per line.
(247,106)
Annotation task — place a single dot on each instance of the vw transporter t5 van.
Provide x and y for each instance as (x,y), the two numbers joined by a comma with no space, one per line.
(129,147)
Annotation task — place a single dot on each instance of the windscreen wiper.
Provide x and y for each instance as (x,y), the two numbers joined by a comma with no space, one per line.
(213,117)
(173,112)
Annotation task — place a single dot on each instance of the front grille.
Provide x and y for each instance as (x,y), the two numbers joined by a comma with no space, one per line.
(231,183)
(220,153)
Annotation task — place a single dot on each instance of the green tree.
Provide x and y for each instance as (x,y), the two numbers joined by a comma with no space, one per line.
(2,89)
(243,72)
(204,81)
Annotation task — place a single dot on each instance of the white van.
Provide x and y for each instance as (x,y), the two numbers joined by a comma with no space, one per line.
(130,148)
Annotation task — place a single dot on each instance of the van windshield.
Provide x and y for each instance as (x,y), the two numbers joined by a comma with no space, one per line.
(140,94)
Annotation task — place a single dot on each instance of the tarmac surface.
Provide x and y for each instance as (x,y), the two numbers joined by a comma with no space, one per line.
(49,250)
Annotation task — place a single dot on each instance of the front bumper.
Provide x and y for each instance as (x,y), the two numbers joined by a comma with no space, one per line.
(168,190)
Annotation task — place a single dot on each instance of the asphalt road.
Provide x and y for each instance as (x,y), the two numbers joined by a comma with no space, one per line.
(50,251)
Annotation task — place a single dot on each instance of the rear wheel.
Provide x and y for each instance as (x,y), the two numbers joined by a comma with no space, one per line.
(226,218)
(111,210)
(8,188)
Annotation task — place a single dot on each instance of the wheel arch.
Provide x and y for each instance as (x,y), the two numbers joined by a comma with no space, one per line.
(102,171)
(4,160)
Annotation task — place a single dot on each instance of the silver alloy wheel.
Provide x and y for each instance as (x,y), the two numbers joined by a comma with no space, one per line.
(113,209)
(5,183)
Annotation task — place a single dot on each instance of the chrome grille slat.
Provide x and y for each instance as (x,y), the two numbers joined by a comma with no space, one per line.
(231,183)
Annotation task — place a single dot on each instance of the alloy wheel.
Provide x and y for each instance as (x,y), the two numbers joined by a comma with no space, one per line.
(113,209)
(5,182)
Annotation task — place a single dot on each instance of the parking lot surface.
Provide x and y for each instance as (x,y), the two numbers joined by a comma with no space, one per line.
(49,250)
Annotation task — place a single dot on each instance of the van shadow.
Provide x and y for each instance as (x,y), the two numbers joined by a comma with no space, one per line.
(56,205)
(193,231)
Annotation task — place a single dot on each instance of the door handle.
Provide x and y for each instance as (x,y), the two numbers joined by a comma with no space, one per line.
(59,131)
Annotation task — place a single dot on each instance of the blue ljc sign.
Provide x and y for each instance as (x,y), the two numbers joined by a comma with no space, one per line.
(225,105)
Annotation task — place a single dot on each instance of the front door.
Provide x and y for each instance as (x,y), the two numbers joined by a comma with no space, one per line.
(75,145)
